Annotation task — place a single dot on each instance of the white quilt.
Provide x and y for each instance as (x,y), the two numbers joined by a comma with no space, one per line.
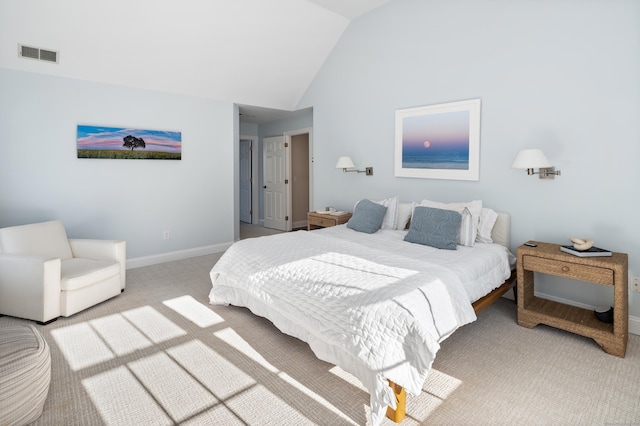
(377,314)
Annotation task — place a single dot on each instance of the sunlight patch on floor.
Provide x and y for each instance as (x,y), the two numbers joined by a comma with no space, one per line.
(153,324)
(188,383)
(175,389)
(119,334)
(119,398)
(302,388)
(81,346)
(218,415)
(230,337)
(220,376)
(259,406)
(194,311)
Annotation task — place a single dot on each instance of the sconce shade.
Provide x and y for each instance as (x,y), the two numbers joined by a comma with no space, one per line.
(345,163)
(531,159)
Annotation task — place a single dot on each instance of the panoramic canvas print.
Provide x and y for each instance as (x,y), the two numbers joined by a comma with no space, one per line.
(439,141)
(126,143)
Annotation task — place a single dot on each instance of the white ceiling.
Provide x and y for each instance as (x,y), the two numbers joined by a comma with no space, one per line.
(350,8)
(262,53)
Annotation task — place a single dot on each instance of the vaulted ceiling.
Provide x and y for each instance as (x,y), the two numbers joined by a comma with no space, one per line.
(253,52)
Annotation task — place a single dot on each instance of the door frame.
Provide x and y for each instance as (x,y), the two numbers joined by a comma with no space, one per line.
(255,195)
(287,139)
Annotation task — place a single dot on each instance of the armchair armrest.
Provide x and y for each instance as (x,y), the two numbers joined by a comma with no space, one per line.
(102,250)
(30,286)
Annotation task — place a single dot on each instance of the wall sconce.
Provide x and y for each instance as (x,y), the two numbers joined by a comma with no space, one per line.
(345,163)
(531,159)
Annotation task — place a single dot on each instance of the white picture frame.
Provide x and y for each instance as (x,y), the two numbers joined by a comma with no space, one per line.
(439,141)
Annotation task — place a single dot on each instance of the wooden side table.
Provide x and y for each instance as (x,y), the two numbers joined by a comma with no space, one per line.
(324,220)
(547,258)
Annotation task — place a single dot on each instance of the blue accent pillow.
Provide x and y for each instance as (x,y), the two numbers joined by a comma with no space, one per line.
(434,227)
(367,217)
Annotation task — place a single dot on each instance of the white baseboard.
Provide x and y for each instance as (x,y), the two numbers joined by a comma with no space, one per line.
(634,325)
(634,322)
(176,255)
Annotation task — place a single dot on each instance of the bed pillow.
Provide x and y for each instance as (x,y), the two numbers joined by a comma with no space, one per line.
(466,231)
(404,215)
(367,216)
(390,218)
(475,209)
(434,227)
(488,219)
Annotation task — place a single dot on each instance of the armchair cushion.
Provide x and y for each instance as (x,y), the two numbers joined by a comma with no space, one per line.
(78,273)
(48,239)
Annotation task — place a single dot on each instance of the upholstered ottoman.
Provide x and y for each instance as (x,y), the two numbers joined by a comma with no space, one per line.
(25,374)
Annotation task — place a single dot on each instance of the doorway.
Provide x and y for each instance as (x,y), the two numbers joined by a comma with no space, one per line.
(287,179)
(300,168)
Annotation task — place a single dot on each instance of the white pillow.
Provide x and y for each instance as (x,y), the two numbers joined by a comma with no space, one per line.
(488,219)
(390,218)
(404,214)
(467,236)
(466,232)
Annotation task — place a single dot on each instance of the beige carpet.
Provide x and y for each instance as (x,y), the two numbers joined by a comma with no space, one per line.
(160,354)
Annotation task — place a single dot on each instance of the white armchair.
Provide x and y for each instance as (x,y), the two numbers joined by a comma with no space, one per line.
(44,275)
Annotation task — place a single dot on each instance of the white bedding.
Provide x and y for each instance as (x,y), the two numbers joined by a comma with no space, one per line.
(481,268)
(373,304)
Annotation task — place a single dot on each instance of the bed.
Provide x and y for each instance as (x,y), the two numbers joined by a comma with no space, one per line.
(374,303)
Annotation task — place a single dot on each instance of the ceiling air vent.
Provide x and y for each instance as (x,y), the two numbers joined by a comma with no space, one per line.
(37,53)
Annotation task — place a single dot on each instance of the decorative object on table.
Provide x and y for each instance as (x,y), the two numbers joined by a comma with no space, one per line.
(439,141)
(583,247)
(531,159)
(604,314)
(126,143)
(582,244)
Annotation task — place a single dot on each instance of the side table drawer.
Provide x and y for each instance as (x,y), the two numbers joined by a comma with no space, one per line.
(324,222)
(574,271)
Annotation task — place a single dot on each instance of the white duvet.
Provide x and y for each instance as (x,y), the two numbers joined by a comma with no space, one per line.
(374,305)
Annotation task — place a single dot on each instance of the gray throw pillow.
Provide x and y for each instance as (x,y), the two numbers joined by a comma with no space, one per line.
(434,227)
(367,217)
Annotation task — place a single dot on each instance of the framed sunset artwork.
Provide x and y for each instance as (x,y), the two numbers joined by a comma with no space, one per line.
(439,141)
(128,143)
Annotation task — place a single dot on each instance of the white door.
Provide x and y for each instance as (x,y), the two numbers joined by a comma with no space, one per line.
(275,183)
(245,181)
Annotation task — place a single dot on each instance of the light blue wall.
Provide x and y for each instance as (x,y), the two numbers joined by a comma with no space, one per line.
(560,75)
(134,200)
(248,129)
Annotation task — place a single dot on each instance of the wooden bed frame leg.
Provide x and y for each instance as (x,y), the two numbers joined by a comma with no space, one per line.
(401,403)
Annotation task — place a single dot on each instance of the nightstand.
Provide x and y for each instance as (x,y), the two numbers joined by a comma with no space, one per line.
(324,220)
(547,258)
